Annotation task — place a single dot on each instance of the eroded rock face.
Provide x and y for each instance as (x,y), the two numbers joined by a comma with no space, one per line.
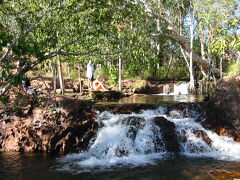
(65,129)
(168,134)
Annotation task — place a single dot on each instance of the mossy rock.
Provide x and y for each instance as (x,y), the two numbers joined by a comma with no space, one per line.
(105,95)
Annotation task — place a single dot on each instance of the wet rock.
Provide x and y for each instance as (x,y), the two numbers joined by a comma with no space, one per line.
(203,135)
(168,134)
(185,110)
(135,124)
(121,151)
(226,131)
(181,135)
(191,146)
(124,108)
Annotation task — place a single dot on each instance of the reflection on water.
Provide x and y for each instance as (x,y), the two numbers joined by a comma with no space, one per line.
(22,166)
(159,99)
(14,165)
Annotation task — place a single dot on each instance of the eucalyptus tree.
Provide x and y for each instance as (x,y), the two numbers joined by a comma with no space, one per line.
(218,26)
(34,31)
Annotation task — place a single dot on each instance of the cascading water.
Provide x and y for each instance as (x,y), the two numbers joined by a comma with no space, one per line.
(181,88)
(135,139)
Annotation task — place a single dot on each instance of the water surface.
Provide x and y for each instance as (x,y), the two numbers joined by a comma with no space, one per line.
(156,99)
(23,166)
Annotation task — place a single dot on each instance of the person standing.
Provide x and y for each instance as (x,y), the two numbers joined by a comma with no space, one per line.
(90,74)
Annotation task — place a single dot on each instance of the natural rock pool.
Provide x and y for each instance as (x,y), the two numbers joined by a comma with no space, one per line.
(157,99)
(150,144)
(38,166)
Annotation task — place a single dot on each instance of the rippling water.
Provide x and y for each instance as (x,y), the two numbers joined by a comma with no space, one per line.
(18,166)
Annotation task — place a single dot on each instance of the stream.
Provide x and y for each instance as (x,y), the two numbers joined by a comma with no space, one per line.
(131,146)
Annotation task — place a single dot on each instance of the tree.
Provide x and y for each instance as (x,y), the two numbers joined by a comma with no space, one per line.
(39,30)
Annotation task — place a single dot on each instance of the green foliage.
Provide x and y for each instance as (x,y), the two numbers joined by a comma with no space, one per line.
(233,69)
(4,99)
(211,89)
(113,76)
(34,31)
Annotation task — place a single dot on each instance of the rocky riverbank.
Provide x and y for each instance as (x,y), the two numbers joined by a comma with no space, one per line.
(222,113)
(63,127)
(68,124)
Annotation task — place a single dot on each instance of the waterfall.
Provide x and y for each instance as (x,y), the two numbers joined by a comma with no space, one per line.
(166,89)
(181,88)
(135,139)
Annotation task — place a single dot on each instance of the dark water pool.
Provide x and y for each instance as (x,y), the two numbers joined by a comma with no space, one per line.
(23,166)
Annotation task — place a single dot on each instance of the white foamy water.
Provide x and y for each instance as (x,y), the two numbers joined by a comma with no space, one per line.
(181,88)
(134,140)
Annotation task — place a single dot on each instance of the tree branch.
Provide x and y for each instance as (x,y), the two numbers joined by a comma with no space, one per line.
(185,45)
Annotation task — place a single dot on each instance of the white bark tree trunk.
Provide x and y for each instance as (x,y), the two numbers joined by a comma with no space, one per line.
(186,46)
(119,68)
(54,71)
(120,73)
(221,72)
(192,81)
(203,54)
(60,74)
(79,76)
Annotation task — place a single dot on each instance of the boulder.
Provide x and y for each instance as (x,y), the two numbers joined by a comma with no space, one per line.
(134,123)
(168,134)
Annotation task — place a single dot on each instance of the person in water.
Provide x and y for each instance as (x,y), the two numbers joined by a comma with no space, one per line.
(98,85)
(90,74)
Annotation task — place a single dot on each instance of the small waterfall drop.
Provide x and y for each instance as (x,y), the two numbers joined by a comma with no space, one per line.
(181,88)
(134,140)
(166,89)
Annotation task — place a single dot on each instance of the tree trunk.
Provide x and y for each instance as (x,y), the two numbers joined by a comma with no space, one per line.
(119,68)
(221,73)
(203,54)
(54,71)
(192,81)
(185,45)
(169,64)
(120,73)
(60,74)
(79,76)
